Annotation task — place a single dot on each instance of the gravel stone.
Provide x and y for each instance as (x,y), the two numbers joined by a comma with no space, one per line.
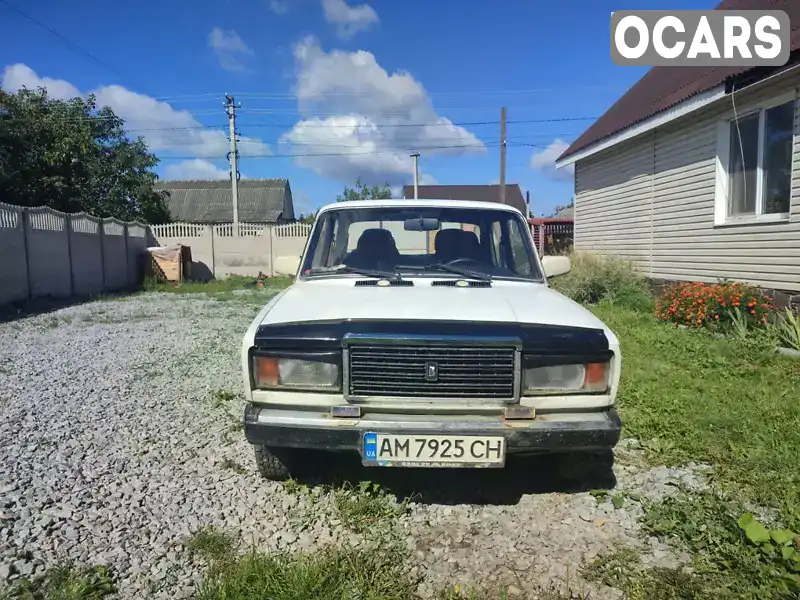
(115,450)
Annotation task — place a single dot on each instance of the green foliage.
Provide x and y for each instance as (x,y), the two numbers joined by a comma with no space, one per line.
(331,574)
(594,278)
(691,396)
(71,156)
(365,192)
(366,507)
(735,555)
(211,544)
(787,330)
(65,582)
(216,286)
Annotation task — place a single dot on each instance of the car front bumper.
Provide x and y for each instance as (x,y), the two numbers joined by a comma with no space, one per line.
(591,430)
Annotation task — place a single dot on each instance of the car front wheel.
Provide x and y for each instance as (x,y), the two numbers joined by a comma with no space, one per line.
(273,463)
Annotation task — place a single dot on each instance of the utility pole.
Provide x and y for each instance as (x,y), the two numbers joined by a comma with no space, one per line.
(503,143)
(233,158)
(415,156)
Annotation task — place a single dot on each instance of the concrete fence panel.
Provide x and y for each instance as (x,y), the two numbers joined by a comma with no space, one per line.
(247,250)
(137,252)
(248,253)
(115,254)
(13,259)
(86,254)
(49,264)
(290,239)
(47,253)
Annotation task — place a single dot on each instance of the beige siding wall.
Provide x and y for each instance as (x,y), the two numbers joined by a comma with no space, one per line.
(652,199)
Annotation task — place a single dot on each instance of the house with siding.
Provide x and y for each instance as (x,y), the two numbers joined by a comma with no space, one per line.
(260,201)
(694,173)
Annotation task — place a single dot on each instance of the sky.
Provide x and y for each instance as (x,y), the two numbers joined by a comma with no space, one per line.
(336,90)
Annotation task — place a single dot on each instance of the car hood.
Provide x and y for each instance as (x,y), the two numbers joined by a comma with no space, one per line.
(505,302)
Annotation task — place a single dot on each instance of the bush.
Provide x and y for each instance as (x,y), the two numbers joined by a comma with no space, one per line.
(594,278)
(719,305)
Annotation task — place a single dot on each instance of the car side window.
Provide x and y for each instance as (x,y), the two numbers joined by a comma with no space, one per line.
(522,263)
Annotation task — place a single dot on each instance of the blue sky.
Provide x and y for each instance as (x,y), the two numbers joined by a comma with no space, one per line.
(336,89)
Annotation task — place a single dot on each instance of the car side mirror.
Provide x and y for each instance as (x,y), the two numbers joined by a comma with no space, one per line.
(556,265)
(287,265)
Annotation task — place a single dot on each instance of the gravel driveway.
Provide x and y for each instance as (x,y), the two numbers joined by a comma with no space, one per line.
(116,445)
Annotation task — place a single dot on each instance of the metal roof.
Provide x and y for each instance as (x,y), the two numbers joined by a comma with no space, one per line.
(479,193)
(662,88)
(198,201)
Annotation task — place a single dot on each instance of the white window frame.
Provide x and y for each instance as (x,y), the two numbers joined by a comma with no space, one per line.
(721,216)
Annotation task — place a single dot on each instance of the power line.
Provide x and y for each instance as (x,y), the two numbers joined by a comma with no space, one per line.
(378,125)
(72,45)
(290,96)
(314,154)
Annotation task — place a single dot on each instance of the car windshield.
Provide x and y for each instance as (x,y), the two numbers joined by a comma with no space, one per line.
(433,241)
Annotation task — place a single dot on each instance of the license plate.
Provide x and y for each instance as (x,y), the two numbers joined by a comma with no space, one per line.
(390,450)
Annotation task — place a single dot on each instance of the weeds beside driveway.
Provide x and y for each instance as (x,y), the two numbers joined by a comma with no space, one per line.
(690,396)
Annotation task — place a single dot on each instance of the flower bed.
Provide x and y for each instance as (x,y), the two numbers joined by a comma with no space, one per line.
(717,305)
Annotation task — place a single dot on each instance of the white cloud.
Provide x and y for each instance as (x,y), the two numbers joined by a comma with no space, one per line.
(349,20)
(195,168)
(164,128)
(363,122)
(545,161)
(279,7)
(18,76)
(230,49)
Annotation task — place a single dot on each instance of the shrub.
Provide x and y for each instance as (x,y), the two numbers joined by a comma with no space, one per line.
(594,278)
(718,305)
(788,330)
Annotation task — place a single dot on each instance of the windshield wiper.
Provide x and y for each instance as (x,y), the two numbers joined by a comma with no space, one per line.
(379,273)
(458,271)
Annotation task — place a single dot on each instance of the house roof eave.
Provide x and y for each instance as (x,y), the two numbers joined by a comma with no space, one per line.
(677,111)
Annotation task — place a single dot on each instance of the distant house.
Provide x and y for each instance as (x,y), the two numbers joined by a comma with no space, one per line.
(484,193)
(694,173)
(261,201)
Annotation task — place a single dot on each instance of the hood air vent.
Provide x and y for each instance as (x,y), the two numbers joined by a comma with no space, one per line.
(384,283)
(461,283)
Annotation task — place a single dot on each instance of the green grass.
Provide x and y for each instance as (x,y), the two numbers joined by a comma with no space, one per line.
(690,396)
(211,544)
(731,402)
(366,507)
(215,286)
(65,582)
(329,574)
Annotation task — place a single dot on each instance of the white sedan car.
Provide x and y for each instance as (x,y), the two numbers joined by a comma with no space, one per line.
(423,333)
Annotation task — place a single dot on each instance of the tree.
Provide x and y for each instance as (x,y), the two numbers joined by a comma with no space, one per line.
(559,207)
(364,192)
(309,218)
(71,156)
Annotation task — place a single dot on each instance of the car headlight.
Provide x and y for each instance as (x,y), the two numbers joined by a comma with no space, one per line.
(294,373)
(572,379)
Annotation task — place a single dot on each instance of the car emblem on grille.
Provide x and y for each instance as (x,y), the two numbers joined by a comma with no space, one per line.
(431,371)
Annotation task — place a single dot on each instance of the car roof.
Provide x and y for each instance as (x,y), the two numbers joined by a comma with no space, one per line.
(411,202)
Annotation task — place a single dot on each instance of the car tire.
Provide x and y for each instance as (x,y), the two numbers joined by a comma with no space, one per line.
(273,463)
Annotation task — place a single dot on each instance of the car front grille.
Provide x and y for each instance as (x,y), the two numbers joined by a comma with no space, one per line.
(431,371)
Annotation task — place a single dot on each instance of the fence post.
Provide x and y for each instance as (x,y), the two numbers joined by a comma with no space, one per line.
(26,225)
(271,250)
(68,225)
(127,258)
(210,232)
(101,228)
